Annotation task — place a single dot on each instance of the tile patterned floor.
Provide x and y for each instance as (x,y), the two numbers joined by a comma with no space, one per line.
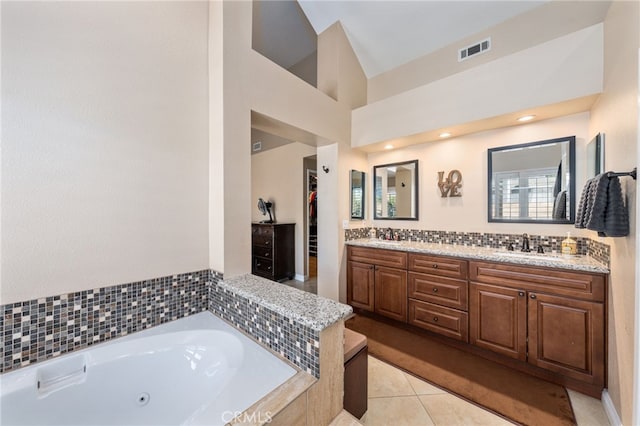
(399,399)
(311,285)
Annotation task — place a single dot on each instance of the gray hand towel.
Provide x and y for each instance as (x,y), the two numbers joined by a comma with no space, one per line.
(602,207)
(616,217)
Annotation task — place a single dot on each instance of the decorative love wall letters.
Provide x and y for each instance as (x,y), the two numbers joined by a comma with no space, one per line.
(450,186)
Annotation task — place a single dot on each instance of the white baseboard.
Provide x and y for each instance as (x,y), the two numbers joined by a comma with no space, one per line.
(300,277)
(610,410)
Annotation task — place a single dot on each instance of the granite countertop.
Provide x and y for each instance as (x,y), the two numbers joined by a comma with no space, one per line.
(549,260)
(308,309)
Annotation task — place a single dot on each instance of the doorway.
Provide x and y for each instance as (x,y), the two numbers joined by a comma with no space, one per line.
(311,216)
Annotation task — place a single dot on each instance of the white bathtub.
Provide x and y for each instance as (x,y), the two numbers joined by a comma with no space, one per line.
(197,370)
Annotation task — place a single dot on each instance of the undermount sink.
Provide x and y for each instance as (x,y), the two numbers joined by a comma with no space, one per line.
(391,242)
(533,256)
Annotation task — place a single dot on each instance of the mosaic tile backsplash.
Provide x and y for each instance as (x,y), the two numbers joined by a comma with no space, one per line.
(39,329)
(587,246)
(298,343)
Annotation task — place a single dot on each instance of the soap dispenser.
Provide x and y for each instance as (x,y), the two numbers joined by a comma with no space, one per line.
(569,245)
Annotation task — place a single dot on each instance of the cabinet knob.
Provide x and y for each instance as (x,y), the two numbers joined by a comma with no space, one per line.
(533,296)
(435,319)
(268,268)
(435,265)
(521,293)
(266,243)
(435,289)
(371,267)
(266,254)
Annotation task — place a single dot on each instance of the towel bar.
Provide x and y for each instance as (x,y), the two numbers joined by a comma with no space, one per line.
(632,173)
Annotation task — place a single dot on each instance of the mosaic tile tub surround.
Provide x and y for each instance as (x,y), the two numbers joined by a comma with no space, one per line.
(586,246)
(286,320)
(42,328)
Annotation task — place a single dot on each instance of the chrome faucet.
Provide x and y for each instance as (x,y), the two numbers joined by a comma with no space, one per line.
(525,243)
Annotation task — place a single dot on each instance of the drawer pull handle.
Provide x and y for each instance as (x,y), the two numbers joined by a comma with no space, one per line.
(435,319)
(435,265)
(435,289)
(533,296)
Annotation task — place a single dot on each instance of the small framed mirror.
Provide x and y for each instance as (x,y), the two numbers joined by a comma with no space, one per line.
(595,156)
(533,182)
(395,191)
(357,194)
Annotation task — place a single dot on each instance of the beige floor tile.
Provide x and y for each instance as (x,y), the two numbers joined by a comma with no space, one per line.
(385,380)
(449,410)
(396,411)
(421,387)
(589,411)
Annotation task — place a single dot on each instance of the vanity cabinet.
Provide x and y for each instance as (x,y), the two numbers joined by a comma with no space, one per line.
(438,295)
(377,281)
(273,250)
(548,318)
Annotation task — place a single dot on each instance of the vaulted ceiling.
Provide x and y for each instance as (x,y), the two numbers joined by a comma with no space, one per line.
(386,34)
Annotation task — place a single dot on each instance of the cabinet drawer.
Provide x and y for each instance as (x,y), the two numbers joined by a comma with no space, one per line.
(394,259)
(440,290)
(438,265)
(266,252)
(262,241)
(566,283)
(262,266)
(438,319)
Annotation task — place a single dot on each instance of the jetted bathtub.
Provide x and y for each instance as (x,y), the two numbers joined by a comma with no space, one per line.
(196,370)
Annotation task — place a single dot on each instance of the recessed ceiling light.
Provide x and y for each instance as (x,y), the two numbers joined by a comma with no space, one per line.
(526,118)
(388,146)
(445,134)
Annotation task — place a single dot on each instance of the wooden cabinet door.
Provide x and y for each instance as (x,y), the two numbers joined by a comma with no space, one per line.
(360,288)
(567,336)
(498,319)
(391,293)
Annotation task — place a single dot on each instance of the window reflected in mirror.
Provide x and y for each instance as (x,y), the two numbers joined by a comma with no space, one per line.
(533,182)
(357,194)
(395,188)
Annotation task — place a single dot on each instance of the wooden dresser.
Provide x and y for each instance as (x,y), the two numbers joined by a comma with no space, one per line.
(273,250)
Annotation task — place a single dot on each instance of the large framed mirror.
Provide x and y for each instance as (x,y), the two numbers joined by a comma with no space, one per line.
(395,191)
(357,194)
(533,182)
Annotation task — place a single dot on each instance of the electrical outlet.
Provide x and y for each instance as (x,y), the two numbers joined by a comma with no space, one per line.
(345,224)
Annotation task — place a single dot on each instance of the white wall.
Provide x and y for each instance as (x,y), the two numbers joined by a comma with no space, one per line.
(569,67)
(277,175)
(468,154)
(616,115)
(104,126)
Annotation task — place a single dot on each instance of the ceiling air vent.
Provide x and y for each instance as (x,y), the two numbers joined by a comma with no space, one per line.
(257,146)
(474,49)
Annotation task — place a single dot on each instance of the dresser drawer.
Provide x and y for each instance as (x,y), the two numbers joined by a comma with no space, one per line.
(438,319)
(394,259)
(262,266)
(439,290)
(566,283)
(266,252)
(438,265)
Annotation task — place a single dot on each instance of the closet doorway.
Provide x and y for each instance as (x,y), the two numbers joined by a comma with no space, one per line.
(311,189)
